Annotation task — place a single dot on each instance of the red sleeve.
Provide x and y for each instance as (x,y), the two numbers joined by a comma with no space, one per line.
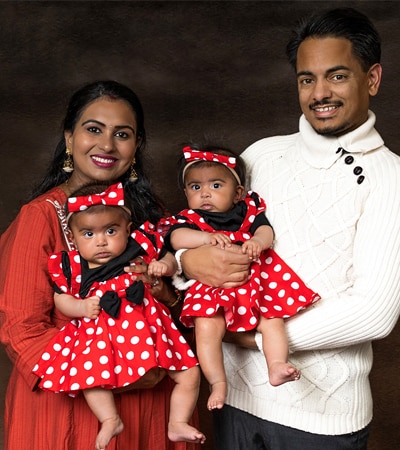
(27,320)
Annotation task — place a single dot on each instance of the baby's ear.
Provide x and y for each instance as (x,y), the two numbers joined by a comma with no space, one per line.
(71,235)
(239,193)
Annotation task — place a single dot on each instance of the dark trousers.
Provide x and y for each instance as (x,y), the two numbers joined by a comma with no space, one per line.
(238,430)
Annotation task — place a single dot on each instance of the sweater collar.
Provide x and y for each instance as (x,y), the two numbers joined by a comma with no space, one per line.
(322,151)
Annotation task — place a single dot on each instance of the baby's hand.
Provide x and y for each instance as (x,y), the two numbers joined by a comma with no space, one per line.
(253,248)
(91,307)
(219,239)
(157,268)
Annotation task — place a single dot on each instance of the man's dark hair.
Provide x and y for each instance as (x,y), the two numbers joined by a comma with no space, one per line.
(339,23)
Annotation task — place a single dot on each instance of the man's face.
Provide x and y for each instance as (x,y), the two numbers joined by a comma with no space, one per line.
(334,91)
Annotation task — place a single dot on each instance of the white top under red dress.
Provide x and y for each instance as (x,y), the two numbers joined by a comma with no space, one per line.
(121,345)
(274,290)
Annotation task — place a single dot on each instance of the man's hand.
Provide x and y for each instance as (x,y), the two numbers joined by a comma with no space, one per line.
(211,265)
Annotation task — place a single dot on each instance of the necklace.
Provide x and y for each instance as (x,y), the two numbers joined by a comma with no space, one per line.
(66,188)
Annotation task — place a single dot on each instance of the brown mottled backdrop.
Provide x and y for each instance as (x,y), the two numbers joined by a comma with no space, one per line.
(207,68)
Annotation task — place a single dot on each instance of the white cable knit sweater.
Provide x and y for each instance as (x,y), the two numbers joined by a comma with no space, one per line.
(343,238)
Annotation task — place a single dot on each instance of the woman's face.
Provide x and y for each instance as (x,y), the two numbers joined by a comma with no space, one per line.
(103,143)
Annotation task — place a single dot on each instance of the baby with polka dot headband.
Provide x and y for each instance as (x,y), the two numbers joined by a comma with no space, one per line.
(119,331)
(219,214)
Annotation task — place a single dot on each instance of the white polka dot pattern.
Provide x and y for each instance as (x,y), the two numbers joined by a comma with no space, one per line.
(109,352)
(274,289)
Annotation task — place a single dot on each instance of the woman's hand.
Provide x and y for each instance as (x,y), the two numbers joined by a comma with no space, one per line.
(138,269)
(211,265)
(147,381)
(160,288)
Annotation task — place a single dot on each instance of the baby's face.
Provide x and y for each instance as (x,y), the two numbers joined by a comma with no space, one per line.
(212,188)
(100,234)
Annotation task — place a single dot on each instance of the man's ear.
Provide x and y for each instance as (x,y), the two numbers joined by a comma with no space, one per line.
(374,79)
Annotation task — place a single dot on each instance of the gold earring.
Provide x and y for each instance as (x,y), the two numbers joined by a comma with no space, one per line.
(133,175)
(68,163)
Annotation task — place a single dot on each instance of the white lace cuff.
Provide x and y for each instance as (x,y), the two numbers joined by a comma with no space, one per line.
(179,280)
(178,255)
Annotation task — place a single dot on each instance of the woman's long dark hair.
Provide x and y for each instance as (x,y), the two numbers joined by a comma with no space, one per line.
(147,205)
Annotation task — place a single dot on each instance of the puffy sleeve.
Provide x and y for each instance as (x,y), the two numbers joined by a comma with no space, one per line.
(181,220)
(60,271)
(27,317)
(151,241)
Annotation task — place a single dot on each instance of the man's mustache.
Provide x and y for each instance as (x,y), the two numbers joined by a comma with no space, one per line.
(326,102)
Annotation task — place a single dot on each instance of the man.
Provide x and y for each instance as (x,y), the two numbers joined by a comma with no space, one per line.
(333,196)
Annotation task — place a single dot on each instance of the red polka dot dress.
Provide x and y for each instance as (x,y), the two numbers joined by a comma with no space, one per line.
(121,345)
(274,289)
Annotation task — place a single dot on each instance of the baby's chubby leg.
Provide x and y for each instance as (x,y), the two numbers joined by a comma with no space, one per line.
(183,401)
(101,402)
(275,348)
(209,333)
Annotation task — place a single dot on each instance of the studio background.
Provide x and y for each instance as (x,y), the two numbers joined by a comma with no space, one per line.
(202,69)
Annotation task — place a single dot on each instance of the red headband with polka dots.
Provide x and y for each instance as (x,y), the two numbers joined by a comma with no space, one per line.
(192,156)
(112,196)
(198,155)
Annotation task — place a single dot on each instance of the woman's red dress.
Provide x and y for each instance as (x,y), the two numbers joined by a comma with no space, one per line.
(39,420)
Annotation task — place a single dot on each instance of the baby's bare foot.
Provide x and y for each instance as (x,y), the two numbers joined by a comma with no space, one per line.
(216,400)
(182,431)
(109,428)
(282,372)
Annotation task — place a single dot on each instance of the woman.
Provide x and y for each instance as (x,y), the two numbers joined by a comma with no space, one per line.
(104,138)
